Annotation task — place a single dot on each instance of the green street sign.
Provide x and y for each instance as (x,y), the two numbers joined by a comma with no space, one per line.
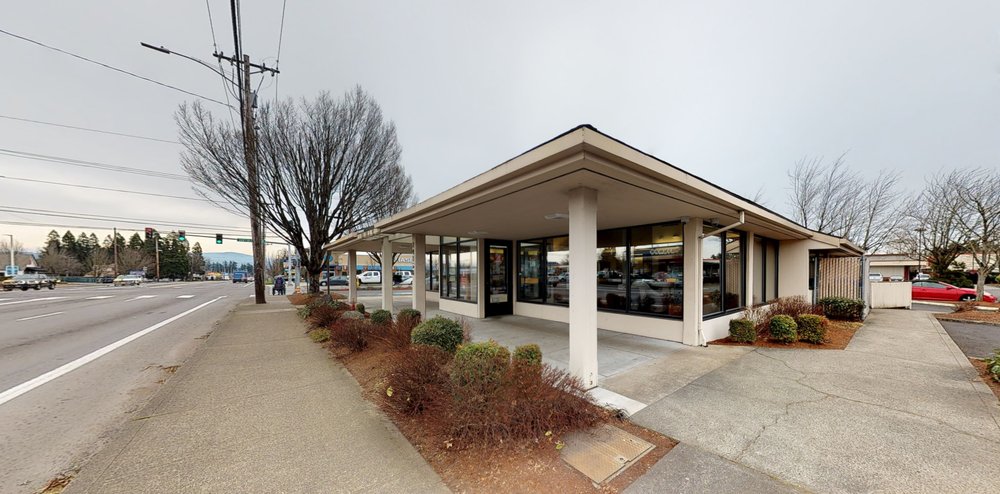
(243,240)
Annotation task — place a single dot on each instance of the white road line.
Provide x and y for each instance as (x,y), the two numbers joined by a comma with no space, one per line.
(32,300)
(140,297)
(185,296)
(41,316)
(100,297)
(24,387)
(2,299)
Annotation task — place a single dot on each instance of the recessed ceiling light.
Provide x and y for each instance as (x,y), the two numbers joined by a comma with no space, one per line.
(557,216)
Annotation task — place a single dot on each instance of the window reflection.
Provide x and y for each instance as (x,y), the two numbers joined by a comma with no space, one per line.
(530,274)
(557,270)
(657,271)
(611,268)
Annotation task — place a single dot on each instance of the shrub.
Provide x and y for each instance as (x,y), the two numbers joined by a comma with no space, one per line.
(529,354)
(480,364)
(742,330)
(352,314)
(324,315)
(360,308)
(792,307)
(440,332)
(353,334)
(783,329)
(419,379)
(410,315)
(382,317)
(993,365)
(320,335)
(812,328)
(847,309)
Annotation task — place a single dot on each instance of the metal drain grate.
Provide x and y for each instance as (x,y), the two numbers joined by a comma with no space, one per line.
(604,452)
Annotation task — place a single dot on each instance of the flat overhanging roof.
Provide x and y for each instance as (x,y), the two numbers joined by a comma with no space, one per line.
(512,200)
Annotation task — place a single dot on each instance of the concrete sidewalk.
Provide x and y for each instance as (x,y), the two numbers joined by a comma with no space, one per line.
(259,408)
(900,410)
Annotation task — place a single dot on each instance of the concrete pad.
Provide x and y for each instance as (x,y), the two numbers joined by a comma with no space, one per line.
(691,470)
(660,377)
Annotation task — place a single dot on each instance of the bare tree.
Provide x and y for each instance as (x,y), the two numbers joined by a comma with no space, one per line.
(275,265)
(972,198)
(97,261)
(133,260)
(60,262)
(327,167)
(834,199)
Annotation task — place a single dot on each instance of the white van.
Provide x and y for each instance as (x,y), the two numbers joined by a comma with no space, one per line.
(370,277)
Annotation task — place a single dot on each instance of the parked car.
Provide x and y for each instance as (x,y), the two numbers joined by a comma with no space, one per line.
(407,281)
(107,279)
(936,290)
(874,276)
(896,277)
(128,280)
(26,281)
(369,277)
(334,281)
(240,277)
(921,277)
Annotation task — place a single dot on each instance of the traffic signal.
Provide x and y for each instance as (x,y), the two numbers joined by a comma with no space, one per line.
(149,233)
(180,236)
(218,238)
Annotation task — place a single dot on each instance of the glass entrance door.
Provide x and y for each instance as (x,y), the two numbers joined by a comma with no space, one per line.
(499,295)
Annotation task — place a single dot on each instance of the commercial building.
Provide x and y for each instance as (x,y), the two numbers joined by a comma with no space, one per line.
(588,230)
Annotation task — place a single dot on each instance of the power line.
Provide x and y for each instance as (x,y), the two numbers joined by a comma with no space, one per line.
(93,187)
(116,69)
(93,164)
(209,235)
(88,129)
(101,217)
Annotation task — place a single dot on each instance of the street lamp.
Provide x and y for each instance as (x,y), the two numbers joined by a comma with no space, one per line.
(920,248)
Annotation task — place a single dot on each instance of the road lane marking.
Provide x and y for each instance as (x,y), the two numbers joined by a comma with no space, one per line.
(185,296)
(39,317)
(100,297)
(140,297)
(32,300)
(24,387)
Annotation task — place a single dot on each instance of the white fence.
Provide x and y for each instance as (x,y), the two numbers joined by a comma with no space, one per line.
(891,295)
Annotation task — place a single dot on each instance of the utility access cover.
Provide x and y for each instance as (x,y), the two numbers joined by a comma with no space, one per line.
(604,452)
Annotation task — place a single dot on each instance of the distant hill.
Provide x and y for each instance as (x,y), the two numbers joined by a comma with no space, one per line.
(228,257)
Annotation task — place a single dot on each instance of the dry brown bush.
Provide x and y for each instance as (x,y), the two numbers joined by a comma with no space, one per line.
(419,380)
(353,334)
(324,315)
(792,307)
(397,334)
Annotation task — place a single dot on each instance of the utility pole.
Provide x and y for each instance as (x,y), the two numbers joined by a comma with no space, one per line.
(156,238)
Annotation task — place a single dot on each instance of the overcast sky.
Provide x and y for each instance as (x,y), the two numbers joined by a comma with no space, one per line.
(735,92)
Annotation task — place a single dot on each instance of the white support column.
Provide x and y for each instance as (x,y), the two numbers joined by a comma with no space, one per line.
(693,278)
(352,276)
(419,274)
(583,285)
(387,274)
(748,282)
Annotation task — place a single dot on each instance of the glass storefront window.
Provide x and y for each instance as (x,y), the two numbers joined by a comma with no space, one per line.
(431,271)
(657,270)
(449,267)
(557,270)
(765,270)
(733,271)
(530,274)
(468,275)
(611,268)
(711,274)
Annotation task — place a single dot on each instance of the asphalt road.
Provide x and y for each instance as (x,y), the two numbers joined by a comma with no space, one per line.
(75,361)
(975,340)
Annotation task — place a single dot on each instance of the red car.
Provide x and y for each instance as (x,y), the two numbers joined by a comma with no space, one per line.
(936,290)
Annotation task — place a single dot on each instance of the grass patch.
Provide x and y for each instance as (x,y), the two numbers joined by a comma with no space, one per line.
(320,335)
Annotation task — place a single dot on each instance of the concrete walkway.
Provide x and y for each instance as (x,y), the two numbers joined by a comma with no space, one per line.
(259,408)
(900,410)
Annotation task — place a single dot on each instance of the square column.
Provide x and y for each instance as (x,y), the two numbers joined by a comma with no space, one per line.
(419,274)
(387,274)
(693,280)
(352,276)
(583,285)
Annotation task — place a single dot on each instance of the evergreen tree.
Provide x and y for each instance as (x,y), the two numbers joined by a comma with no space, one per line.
(136,242)
(197,259)
(52,243)
(69,243)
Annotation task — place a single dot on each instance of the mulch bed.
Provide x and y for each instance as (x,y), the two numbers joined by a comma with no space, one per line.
(526,466)
(987,378)
(838,335)
(990,317)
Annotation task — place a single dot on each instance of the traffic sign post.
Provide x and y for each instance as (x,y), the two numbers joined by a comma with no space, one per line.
(244,240)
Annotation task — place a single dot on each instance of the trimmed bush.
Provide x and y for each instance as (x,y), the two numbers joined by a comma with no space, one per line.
(529,354)
(382,317)
(412,315)
(783,329)
(993,365)
(480,364)
(841,308)
(812,328)
(352,314)
(360,308)
(419,380)
(438,331)
(742,330)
